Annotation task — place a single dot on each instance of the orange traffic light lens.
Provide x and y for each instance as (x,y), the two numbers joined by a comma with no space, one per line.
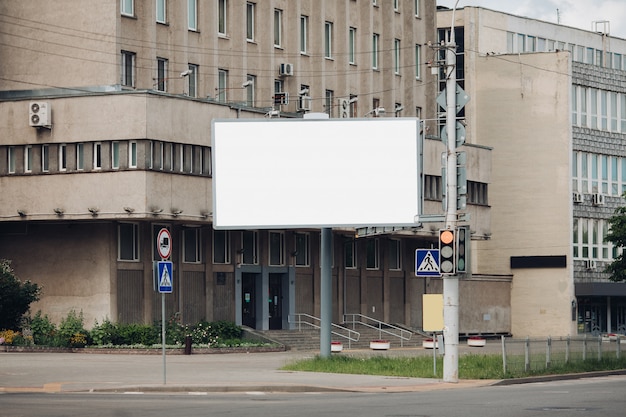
(446,237)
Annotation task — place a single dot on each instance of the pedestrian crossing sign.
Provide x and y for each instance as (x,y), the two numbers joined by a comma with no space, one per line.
(427,263)
(164,276)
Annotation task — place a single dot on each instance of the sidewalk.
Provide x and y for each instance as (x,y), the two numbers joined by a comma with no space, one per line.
(233,372)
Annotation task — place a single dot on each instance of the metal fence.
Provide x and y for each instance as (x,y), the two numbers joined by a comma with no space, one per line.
(527,355)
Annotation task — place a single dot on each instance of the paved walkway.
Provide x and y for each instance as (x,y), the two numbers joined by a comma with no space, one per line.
(241,372)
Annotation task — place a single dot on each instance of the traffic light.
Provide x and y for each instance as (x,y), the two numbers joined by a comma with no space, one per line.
(462,249)
(447,255)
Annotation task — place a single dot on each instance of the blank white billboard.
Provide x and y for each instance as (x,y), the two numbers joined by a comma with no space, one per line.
(315,173)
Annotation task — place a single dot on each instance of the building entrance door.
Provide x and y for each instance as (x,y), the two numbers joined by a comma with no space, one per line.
(276,301)
(248,299)
(592,316)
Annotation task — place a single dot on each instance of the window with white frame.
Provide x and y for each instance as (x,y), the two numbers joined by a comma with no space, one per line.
(192,80)
(191,245)
(250,11)
(80,156)
(128,242)
(45,158)
(276,248)
(249,247)
(128,69)
(396,56)
(250,90)
(349,253)
(372,254)
(352,46)
(222,85)
(62,157)
(132,154)
(222,17)
(161,81)
(115,155)
(127,7)
(329,96)
(394,254)
(221,247)
(418,62)
(589,240)
(375,41)
(192,14)
(596,173)
(304,34)
(97,155)
(278,28)
(11,156)
(328,39)
(161,11)
(28,158)
(302,251)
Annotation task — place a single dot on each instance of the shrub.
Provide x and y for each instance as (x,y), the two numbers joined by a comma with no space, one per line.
(138,334)
(7,337)
(43,330)
(105,333)
(15,297)
(71,327)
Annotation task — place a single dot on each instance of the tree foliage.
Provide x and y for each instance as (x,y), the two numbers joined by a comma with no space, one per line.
(617,236)
(15,297)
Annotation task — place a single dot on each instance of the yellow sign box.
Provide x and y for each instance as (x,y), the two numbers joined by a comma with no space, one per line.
(432,312)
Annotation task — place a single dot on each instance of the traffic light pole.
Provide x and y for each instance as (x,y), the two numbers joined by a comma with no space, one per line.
(451,282)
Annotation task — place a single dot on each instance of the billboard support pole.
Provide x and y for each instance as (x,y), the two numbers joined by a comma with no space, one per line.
(326,301)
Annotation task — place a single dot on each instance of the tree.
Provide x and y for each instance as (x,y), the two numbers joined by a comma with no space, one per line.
(15,297)
(617,236)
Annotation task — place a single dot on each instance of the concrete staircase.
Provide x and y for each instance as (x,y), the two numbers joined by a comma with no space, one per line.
(309,338)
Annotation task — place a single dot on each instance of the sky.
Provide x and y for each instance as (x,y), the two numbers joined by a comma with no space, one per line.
(576,13)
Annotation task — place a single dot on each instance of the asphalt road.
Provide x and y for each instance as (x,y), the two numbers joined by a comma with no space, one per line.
(602,396)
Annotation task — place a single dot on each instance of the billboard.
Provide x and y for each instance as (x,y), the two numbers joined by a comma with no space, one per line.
(300,173)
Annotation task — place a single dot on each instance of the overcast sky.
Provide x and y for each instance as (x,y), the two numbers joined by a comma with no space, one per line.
(575,13)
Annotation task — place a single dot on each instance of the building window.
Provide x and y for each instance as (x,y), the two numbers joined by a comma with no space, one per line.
(396,56)
(352,46)
(161,11)
(161,81)
(115,155)
(222,17)
(278,28)
(328,102)
(222,85)
(97,155)
(302,249)
(418,62)
(62,157)
(375,39)
(304,34)
(192,80)
(128,242)
(372,253)
(191,243)
(417,8)
(249,247)
(395,254)
(395,6)
(132,154)
(250,10)
(276,248)
(28,159)
(192,14)
(127,7)
(128,69)
(328,40)
(589,240)
(11,159)
(80,156)
(221,247)
(45,158)
(250,86)
(349,253)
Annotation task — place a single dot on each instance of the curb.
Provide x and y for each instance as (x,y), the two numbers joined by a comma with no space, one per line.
(560,377)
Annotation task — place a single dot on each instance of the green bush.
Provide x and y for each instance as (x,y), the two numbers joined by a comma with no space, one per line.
(15,297)
(105,333)
(138,334)
(72,331)
(43,330)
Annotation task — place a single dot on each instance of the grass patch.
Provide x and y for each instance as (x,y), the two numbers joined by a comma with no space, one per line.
(470,366)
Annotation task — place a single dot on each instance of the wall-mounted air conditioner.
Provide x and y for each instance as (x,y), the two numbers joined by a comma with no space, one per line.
(285,69)
(304,103)
(344,108)
(598,199)
(40,114)
(590,264)
(578,197)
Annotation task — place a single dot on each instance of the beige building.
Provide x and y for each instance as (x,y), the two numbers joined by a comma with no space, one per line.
(551,102)
(105,121)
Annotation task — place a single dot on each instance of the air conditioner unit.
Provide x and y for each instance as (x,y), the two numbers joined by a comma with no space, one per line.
(598,199)
(304,103)
(286,69)
(39,114)
(590,264)
(578,197)
(344,108)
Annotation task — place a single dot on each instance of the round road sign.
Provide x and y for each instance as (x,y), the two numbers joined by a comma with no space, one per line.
(164,243)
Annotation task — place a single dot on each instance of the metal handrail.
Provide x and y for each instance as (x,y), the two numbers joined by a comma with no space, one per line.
(351,336)
(363,320)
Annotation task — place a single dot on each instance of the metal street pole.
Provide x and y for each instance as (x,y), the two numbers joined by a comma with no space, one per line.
(326,293)
(451,283)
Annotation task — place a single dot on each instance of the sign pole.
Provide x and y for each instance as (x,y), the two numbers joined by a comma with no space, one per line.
(163,335)
(164,282)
